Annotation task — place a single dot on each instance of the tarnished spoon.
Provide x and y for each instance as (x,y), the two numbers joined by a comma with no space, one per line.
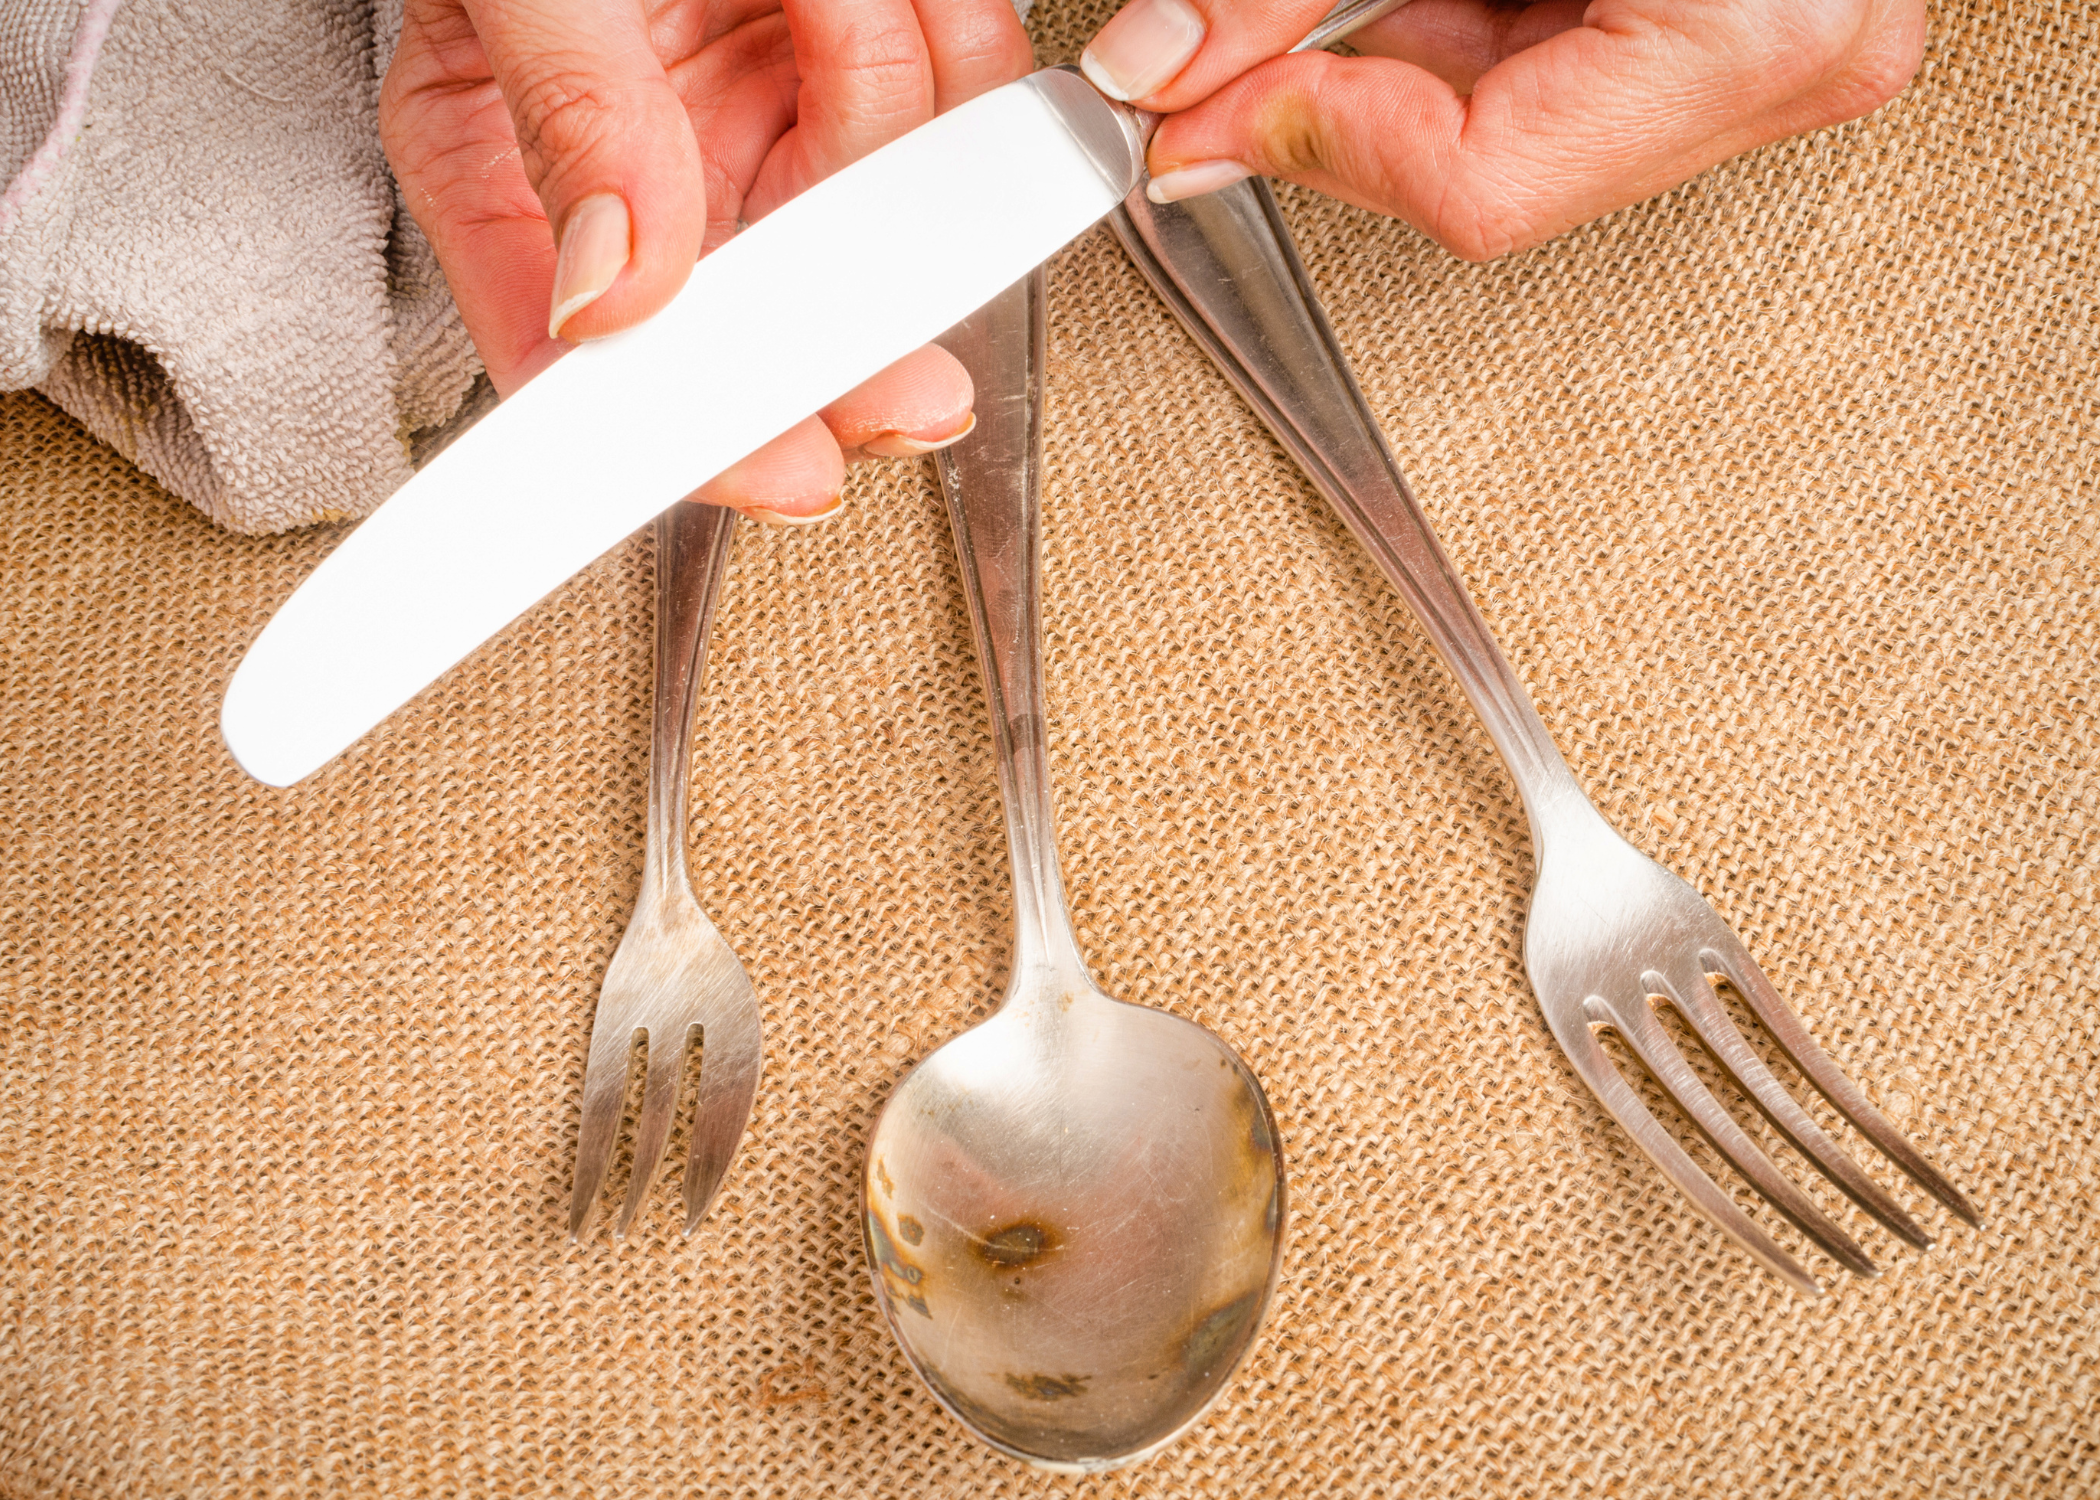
(1074,1211)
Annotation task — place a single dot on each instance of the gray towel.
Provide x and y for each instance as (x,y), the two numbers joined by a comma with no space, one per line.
(204,259)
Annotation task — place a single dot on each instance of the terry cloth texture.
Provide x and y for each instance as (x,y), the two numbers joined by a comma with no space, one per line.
(204,259)
(1780,493)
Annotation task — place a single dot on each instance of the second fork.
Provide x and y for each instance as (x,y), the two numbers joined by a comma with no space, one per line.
(1608,927)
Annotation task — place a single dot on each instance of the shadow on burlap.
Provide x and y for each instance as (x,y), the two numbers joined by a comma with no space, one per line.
(1778,490)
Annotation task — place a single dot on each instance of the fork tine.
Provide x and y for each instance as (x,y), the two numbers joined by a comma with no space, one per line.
(604,1099)
(1736,965)
(1594,1065)
(1692,995)
(659,1111)
(1636,1022)
(729,1066)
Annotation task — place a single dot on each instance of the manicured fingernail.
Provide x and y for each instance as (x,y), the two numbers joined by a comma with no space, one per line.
(775,518)
(903,445)
(1194,181)
(1142,47)
(595,244)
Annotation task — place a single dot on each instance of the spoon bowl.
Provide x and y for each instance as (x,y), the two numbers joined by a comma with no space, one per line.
(1074,1212)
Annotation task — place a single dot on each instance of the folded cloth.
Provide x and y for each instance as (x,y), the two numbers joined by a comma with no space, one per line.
(203,256)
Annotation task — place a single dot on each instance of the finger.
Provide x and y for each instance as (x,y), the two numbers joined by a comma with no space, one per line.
(918,404)
(867,78)
(449,140)
(974,46)
(792,481)
(873,70)
(605,141)
(738,87)
(1168,54)
(1589,120)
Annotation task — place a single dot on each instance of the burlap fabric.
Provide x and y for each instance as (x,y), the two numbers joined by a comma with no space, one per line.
(1780,492)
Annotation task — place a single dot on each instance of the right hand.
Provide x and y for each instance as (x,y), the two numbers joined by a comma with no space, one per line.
(638,133)
(1492,125)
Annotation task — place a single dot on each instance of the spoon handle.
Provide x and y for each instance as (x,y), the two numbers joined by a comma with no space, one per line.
(993,480)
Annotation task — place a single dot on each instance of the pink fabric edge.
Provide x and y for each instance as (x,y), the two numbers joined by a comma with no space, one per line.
(72,109)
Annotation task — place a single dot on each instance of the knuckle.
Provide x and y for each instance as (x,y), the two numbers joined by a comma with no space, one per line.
(1891,59)
(989,56)
(885,57)
(1480,221)
(1808,41)
(438,142)
(1849,56)
(1473,241)
(560,113)
(1828,31)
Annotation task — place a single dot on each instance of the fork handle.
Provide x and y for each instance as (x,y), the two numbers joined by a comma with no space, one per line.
(692,555)
(1346,18)
(1227,267)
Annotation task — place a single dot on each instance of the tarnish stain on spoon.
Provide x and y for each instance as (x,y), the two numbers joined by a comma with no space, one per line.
(901,1279)
(1213,1339)
(1049,1387)
(1016,1245)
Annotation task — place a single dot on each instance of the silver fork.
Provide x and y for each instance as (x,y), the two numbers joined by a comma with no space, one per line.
(673,975)
(1609,928)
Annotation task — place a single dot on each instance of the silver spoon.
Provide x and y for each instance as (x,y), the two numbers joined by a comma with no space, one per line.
(1074,1211)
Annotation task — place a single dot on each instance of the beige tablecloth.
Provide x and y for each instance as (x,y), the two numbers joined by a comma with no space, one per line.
(1781,493)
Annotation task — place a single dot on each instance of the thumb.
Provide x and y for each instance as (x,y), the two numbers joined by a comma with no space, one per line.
(606,143)
(1167,54)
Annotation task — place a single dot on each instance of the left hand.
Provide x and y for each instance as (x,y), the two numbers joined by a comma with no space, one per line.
(644,131)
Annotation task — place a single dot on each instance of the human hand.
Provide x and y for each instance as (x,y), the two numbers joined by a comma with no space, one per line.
(1492,125)
(642,131)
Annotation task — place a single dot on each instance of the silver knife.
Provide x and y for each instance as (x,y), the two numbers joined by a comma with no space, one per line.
(804,305)
(794,312)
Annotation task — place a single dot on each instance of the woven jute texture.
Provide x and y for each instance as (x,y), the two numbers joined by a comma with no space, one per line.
(1780,492)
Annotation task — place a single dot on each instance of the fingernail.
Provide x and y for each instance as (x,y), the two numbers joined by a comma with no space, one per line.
(595,244)
(903,445)
(775,518)
(1142,47)
(1194,181)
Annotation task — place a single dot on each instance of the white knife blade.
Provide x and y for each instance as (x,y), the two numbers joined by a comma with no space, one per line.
(790,315)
